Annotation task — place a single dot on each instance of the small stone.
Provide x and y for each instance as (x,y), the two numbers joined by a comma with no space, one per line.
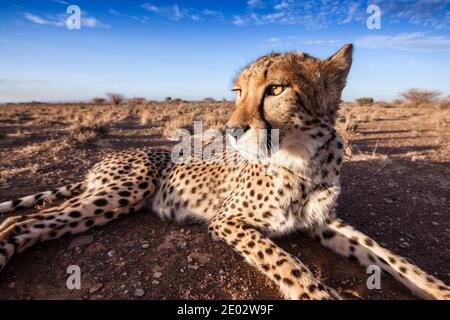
(95,288)
(294,245)
(157,275)
(12,285)
(81,241)
(139,292)
(181,244)
(193,266)
(155,282)
(404,244)
(145,246)
(111,253)
(435,223)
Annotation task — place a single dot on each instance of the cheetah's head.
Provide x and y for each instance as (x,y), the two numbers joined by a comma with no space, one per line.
(289,92)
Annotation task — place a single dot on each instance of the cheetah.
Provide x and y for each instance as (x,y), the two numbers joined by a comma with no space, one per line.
(244,202)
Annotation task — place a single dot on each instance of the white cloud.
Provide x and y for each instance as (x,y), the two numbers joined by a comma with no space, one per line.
(35,19)
(317,14)
(416,41)
(274,42)
(213,15)
(60,20)
(321,42)
(150,7)
(352,10)
(239,21)
(92,22)
(425,13)
(141,19)
(255,4)
(294,42)
(61,2)
(172,12)
(175,12)
(282,5)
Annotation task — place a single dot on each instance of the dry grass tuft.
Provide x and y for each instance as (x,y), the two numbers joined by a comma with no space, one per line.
(81,134)
(351,125)
(171,126)
(146,117)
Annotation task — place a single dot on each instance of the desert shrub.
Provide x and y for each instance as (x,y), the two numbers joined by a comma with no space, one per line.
(145,117)
(116,99)
(351,125)
(81,134)
(136,101)
(97,100)
(384,104)
(364,101)
(89,126)
(167,99)
(418,97)
(208,99)
(444,104)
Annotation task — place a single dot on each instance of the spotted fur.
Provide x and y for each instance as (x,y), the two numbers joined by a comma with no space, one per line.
(244,202)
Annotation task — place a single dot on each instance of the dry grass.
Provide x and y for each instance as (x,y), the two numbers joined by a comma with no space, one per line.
(351,125)
(146,116)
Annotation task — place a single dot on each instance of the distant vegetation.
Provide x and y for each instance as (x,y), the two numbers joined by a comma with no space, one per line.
(420,98)
(136,102)
(364,101)
(98,100)
(116,99)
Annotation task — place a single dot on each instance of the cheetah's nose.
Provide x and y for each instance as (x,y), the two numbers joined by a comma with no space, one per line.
(237,131)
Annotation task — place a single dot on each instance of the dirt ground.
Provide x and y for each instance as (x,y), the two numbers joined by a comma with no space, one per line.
(396,186)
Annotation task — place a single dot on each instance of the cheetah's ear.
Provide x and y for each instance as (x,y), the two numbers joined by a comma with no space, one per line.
(336,69)
(333,74)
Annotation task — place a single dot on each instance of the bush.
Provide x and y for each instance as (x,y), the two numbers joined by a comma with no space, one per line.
(81,134)
(444,104)
(98,100)
(365,101)
(136,101)
(168,99)
(116,99)
(418,97)
(208,99)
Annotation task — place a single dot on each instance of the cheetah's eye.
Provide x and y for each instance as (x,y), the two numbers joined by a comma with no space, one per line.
(275,90)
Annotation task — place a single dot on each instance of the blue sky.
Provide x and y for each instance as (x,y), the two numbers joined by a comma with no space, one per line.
(193,49)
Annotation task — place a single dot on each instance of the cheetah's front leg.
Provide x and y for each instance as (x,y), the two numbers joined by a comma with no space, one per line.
(291,275)
(349,242)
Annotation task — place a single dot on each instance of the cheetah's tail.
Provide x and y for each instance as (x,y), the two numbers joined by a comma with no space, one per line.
(38,198)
